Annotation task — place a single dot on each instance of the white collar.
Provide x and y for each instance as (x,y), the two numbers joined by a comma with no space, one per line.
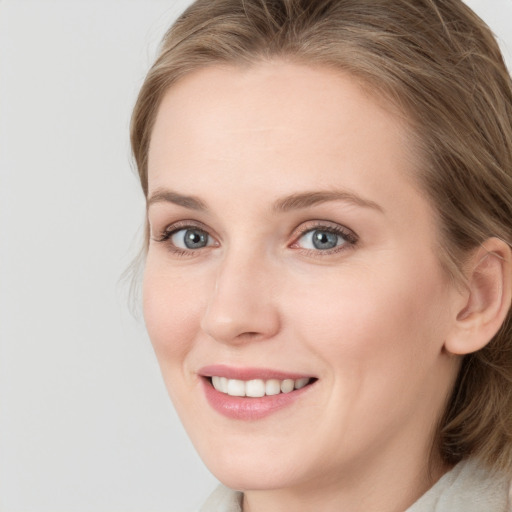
(468,487)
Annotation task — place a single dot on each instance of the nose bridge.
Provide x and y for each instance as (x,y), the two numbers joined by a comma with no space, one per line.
(241,305)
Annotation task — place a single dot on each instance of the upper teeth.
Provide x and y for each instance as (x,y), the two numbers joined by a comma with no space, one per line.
(257,387)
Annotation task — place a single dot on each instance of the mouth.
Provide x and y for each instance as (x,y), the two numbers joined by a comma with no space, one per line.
(252,393)
(257,388)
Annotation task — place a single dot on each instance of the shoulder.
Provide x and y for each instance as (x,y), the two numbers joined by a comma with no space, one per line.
(468,487)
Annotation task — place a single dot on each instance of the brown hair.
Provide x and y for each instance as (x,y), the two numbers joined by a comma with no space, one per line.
(440,65)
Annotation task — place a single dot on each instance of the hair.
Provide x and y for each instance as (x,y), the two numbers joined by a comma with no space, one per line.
(439,63)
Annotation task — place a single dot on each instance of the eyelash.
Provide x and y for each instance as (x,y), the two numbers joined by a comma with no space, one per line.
(349,237)
(168,232)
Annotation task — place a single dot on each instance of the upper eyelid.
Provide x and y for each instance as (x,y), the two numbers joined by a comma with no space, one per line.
(319,224)
(182,224)
(175,228)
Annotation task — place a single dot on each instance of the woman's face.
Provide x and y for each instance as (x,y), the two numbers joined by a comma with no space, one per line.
(292,258)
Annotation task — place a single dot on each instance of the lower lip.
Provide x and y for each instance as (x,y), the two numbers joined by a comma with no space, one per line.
(246,408)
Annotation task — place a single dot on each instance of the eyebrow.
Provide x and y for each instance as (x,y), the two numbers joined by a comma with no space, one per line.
(168,196)
(292,202)
(306,199)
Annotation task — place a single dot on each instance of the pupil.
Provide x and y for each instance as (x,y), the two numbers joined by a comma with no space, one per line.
(324,240)
(195,239)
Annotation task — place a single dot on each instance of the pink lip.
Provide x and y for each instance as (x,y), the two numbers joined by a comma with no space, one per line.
(221,370)
(245,408)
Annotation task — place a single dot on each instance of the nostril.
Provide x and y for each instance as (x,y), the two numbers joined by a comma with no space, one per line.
(249,335)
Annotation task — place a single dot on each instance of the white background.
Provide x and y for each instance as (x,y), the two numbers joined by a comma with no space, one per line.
(85,422)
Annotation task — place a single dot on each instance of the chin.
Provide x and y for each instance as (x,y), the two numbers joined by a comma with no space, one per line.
(250,468)
(238,474)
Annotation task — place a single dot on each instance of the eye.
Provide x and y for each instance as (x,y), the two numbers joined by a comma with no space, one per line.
(184,239)
(321,240)
(325,239)
(190,238)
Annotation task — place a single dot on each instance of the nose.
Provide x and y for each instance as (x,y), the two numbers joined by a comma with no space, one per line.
(242,304)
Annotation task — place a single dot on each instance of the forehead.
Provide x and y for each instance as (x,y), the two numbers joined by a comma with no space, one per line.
(302,125)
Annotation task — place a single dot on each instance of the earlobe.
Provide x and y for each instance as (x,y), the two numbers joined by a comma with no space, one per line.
(486,300)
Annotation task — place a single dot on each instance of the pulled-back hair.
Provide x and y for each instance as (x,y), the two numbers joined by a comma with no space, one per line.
(439,64)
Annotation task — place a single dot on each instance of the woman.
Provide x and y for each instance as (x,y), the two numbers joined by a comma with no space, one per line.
(328,274)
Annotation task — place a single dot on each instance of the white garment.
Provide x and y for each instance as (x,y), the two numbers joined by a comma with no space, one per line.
(468,487)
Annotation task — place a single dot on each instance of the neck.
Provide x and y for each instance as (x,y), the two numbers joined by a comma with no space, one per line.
(379,487)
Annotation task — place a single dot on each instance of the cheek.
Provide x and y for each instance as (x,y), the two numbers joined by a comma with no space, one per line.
(390,314)
(171,312)
(378,336)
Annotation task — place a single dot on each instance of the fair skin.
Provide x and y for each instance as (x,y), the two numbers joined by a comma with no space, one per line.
(344,289)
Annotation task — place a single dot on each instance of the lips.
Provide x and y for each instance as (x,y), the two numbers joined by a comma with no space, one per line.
(252,393)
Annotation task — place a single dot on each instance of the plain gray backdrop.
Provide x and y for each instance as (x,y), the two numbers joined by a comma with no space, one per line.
(85,422)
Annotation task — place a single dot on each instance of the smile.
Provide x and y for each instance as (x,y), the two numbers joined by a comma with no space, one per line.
(252,393)
(257,388)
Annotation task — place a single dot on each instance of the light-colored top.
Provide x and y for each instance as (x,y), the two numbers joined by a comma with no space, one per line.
(468,487)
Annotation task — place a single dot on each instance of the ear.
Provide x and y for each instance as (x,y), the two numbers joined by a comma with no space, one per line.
(485,302)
